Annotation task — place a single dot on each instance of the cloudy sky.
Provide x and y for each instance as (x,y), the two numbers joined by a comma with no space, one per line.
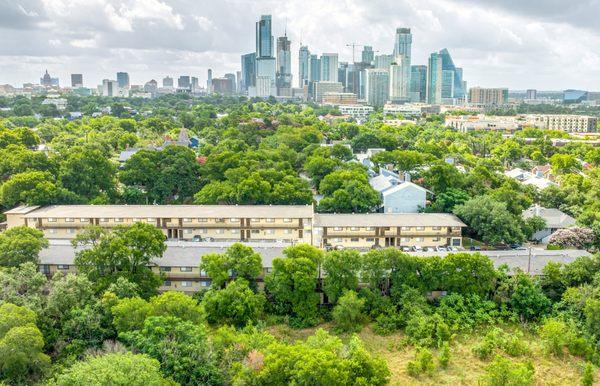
(544,44)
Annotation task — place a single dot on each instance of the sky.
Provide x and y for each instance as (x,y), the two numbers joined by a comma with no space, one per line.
(520,44)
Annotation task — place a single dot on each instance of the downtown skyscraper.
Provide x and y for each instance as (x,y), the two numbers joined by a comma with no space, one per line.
(303,66)
(400,69)
(445,84)
(284,66)
(266,66)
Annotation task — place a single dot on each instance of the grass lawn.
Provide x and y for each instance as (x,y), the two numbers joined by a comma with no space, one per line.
(464,367)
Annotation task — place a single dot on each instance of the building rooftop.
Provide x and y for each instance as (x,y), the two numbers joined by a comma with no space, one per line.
(172,211)
(388,219)
(23,209)
(554,217)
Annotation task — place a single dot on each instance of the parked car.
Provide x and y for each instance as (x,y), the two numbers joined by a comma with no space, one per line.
(417,248)
(475,248)
(196,238)
(452,248)
(517,247)
(338,247)
(442,249)
(406,249)
(429,249)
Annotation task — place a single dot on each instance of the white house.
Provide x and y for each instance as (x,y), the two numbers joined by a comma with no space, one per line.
(398,195)
(555,220)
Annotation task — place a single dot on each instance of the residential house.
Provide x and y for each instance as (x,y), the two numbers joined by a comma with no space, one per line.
(398,195)
(555,220)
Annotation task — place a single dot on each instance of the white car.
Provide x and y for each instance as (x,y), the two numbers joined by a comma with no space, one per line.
(442,249)
(417,248)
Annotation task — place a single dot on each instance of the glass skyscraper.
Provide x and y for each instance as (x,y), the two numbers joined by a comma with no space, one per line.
(445,84)
(248,71)
(418,83)
(123,79)
(329,68)
(284,66)
(264,38)
(266,67)
(303,65)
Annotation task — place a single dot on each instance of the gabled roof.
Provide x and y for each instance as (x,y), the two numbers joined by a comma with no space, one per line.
(554,217)
(402,186)
(381,182)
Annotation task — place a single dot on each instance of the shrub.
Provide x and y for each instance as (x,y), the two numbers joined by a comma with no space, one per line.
(347,314)
(444,356)
(423,363)
(588,375)
(427,330)
(554,334)
(512,344)
(504,372)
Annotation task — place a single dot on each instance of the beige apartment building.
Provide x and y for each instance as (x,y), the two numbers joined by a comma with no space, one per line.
(566,122)
(277,223)
(373,230)
(488,97)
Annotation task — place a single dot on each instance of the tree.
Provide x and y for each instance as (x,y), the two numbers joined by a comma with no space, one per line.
(442,176)
(504,372)
(21,346)
(341,273)
(564,163)
(490,220)
(123,252)
(446,201)
(182,348)
(353,197)
(23,286)
(34,188)
(236,304)
(576,237)
(347,314)
(239,261)
(88,173)
(21,244)
(526,298)
(468,274)
(119,369)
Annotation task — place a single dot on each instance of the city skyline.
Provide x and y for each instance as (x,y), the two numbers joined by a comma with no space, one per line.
(500,44)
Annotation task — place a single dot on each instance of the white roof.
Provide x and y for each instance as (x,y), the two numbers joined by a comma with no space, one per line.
(387,219)
(554,217)
(538,182)
(173,211)
(381,182)
(402,186)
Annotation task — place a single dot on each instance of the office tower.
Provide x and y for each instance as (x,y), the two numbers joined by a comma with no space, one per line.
(238,82)
(355,79)
(151,86)
(531,94)
(383,61)
(403,43)
(314,74)
(326,87)
(342,76)
(76,80)
(284,67)
(266,67)
(488,97)
(418,83)
(123,80)
(445,83)
(368,56)
(224,85)
(110,88)
(329,67)
(248,71)
(167,82)
(184,82)
(399,80)
(195,86)
(303,65)
(377,86)
(209,77)
(231,82)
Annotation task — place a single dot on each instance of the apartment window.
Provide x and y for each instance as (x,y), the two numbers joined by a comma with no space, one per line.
(204,283)
(118,219)
(270,220)
(235,231)
(165,269)
(420,239)
(353,228)
(151,219)
(185,269)
(338,240)
(204,230)
(405,228)
(420,228)
(370,228)
(254,220)
(456,242)
(84,220)
(69,219)
(51,219)
(167,283)
(220,231)
(370,239)
(103,220)
(202,220)
(187,220)
(386,228)
(270,231)
(45,269)
(52,231)
(354,239)
(337,228)
(71,231)
(219,220)
(234,219)
(287,231)
(62,267)
(255,231)
(437,228)
(186,283)
(405,239)
(202,273)
(287,220)
(137,220)
(436,239)
(188,231)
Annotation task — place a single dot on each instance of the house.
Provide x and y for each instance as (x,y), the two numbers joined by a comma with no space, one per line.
(544,171)
(555,220)
(126,154)
(398,194)
(528,178)
(365,158)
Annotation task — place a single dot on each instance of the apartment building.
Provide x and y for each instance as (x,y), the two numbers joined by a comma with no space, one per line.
(566,122)
(277,223)
(488,97)
(179,264)
(366,231)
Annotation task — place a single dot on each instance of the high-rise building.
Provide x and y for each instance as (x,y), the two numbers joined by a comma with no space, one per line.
(343,74)
(314,74)
(151,86)
(445,83)
(76,80)
(209,87)
(326,87)
(329,67)
(266,67)
(531,94)
(368,55)
(399,80)
(110,88)
(303,66)
(403,44)
(488,97)
(377,86)
(167,82)
(184,82)
(195,84)
(224,85)
(418,83)
(123,80)
(355,79)
(284,67)
(231,79)
(383,61)
(248,71)
(238,83)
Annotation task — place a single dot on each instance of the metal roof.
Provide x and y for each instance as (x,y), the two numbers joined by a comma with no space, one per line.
(388,219)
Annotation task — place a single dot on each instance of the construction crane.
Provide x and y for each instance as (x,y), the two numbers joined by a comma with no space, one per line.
(354,45)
